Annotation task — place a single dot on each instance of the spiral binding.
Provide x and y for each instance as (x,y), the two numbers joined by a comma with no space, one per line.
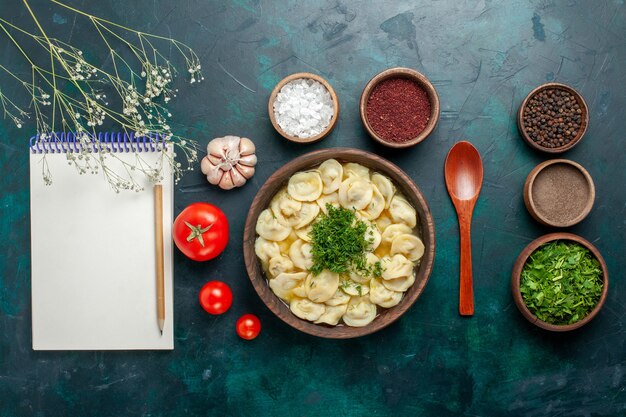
(62,142)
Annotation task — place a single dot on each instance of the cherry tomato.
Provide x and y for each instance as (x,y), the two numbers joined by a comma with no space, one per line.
(248,326)
(216,297)
(201,231)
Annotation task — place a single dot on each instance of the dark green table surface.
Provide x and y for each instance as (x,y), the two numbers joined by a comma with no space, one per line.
(483,57)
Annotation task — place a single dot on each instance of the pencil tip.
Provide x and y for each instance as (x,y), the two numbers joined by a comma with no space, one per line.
(161,332)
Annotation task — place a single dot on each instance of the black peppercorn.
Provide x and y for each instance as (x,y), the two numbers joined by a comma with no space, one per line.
(552,117)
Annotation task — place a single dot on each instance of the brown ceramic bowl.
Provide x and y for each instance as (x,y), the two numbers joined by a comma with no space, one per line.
(296,76)
(517,272)
(559,193)
(401,180)
(583,125)
(423,82)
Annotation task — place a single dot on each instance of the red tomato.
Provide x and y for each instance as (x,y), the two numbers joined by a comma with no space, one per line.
(216,297)
(248,326)
(201,231)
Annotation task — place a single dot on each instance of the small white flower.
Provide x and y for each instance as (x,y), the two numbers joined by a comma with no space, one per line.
(143,73)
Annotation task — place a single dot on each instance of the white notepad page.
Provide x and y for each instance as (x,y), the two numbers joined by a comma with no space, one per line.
(93,260)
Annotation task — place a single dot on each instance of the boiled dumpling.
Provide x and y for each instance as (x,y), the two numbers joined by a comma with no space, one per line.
(356,276)
(284,284)
(385,187)
(308,213)
(301,254)
(396,267)
(331,173)
(338,298)
(266,249)
(278,265)
(292,213)
(286,209)
(361,312)
(268,227)
(399,284)
(306,309)
(383,222)
(332,314)
(410,246)
(305,186)
(373,237)
(376,205)
(352,169)
(304,233)
(402,212)
(321,287)
(332,199)
(354,288)
(394,230)
(382,296)
(355,193)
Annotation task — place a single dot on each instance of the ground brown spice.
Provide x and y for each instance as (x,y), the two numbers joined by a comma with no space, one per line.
(398,109)
(560,192)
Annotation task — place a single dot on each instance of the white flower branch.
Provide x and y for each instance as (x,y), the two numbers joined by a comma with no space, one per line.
(70,94)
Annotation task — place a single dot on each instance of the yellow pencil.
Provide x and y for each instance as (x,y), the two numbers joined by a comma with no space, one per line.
(158,219)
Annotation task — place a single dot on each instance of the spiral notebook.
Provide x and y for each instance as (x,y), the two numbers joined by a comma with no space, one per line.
(93,282)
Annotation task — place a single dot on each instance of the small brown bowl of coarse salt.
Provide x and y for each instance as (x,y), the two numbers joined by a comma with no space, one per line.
(303,108)
(559,193)
(553,118)
(399,107)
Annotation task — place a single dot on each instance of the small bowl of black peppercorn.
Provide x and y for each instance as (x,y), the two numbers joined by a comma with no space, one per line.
(553,118)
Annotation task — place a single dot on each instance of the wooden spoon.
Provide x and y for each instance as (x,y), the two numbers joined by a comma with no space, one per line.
(464,178)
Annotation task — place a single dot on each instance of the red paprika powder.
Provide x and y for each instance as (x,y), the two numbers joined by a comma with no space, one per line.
(398,109)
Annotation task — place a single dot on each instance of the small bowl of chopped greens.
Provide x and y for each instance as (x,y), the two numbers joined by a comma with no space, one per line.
(560,282)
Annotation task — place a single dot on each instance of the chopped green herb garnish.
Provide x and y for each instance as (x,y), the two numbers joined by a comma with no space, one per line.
(377,269)
(561,282)
(340,244)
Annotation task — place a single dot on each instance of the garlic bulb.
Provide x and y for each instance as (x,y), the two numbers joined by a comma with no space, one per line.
(230,161)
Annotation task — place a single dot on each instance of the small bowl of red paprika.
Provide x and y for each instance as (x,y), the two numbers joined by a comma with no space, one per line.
(399,107)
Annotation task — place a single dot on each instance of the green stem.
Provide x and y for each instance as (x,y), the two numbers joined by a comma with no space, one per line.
(196,232)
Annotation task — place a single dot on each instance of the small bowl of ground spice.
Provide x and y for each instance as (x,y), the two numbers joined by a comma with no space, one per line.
(399,107)
(553,118)
(559,282)
(559,193)
(303,108)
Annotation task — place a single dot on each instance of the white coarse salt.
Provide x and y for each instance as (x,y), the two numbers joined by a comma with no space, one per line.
(303,108)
